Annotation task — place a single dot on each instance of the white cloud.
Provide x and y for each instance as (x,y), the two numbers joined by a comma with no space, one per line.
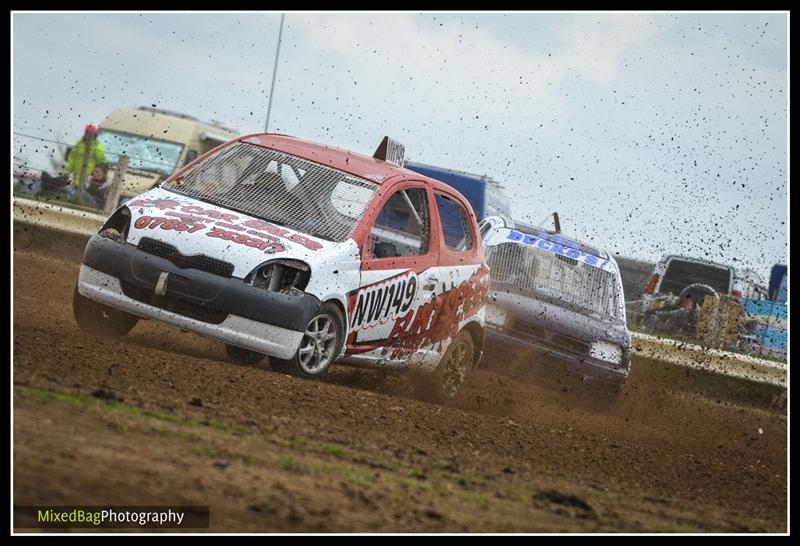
(482,71)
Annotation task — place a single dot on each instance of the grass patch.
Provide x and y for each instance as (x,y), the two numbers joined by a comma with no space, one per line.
(128,410)
(337,451)
(207,451)
(348,472)
(50,396)
(239,430)
(457,479)
(479,500)
(343,470)
(117,426)
(291,464)
(298,443)
(712,385)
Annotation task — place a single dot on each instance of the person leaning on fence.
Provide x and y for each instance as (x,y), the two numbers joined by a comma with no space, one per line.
(88,149)
(680,318)
(689,321)
(97,186)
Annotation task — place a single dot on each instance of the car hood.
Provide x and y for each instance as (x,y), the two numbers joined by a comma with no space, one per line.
(197,227)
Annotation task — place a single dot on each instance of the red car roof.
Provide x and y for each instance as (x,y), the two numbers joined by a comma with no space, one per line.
(363,166)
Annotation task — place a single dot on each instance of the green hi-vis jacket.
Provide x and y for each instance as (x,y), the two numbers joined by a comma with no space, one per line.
(97,154)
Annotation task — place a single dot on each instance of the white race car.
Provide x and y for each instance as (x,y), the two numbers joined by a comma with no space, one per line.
(558,297)
(303,252)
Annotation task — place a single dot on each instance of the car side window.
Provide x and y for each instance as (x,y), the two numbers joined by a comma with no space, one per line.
(455,224)
(403,225)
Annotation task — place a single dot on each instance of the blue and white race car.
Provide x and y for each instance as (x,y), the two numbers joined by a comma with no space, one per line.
(553,295)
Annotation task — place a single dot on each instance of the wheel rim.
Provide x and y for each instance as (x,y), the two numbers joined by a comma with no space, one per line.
(455,371)
(318,344)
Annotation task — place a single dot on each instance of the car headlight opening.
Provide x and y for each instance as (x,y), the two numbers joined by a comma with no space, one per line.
(284,276)
(117,225)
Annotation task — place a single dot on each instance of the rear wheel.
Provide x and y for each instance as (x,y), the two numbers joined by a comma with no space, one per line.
(101,320)
(243,356)
(321,344)
(444,384)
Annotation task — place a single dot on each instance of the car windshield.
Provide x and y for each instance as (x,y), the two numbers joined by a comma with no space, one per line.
(554,278)
(681,274)
(144,154)
(280,188)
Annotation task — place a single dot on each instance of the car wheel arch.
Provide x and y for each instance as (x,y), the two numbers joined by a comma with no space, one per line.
(478,334)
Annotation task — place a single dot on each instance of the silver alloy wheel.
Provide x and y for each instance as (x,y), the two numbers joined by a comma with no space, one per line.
(455,371)
(318,344)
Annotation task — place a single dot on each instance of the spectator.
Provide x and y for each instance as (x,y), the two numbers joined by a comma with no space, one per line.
(691,312)
(682,319)
(75,162)
(97,186)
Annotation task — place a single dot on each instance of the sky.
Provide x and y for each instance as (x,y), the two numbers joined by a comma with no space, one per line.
(649,133)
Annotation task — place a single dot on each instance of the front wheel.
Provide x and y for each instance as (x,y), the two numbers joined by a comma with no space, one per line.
(101,320)
(444,384)
(321,344)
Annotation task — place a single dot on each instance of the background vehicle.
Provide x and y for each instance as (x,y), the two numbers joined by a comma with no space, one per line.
(483,193)
(157,142)
(709,303)
(303,252)
(777,283)
(675,277)
(555,296)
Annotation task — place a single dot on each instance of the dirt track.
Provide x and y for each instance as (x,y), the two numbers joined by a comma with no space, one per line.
(162,417)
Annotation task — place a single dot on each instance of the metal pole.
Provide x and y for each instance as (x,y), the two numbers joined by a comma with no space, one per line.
(114,192)
(83,174)
(274,73)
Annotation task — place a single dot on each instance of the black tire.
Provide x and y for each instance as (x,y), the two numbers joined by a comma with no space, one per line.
(101,320)
(243,356)
(316,352)
(445,383)
(697,291)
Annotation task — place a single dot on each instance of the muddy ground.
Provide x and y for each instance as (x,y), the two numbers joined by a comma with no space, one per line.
(163,418)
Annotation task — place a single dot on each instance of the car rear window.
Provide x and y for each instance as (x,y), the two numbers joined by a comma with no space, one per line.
(681,274)
(281,188)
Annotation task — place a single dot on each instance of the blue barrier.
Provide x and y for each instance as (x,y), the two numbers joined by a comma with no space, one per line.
(770,332)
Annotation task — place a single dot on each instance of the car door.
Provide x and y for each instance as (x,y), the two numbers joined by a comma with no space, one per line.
(463,275)
(391,311)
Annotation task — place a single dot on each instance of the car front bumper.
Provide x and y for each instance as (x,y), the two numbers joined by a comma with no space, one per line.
(504,342)
(226,309)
